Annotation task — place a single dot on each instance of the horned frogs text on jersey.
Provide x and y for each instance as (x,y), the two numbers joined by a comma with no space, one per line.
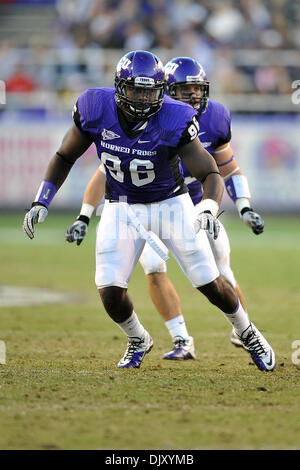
(142,162)
(215,130)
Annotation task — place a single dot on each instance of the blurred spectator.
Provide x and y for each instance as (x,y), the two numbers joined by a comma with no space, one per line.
(226,77)
(192,44)
(20,81)
(137,37)
(225,22)
(256,12)
(74,11)
(10,56)
(187,14)
(273,79)
(161,31)
(102,23)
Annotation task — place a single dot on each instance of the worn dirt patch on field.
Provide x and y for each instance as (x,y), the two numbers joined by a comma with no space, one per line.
(12,296)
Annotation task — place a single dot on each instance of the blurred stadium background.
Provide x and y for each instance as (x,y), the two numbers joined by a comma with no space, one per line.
(52,50)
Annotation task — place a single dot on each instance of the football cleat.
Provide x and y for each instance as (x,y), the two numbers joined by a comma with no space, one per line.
(259,349)
(234,338)
(136,350)
(183,349)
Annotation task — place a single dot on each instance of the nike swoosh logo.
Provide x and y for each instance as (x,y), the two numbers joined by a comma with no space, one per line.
(271,360)
(143,141)
(201,133)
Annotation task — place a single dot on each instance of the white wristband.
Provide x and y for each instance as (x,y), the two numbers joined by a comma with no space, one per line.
(87,210)
(208,205)
(242,202)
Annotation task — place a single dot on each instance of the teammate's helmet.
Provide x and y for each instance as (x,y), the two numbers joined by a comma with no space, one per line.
(181,72)
(140,84)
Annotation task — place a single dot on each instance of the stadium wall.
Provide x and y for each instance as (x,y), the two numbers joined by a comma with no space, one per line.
(267,149)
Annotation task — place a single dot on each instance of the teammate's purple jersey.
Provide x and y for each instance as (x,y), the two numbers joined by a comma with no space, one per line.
(215,130)
(142,162)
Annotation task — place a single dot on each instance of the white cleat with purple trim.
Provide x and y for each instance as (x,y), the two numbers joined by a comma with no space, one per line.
(259,349)
(136,350)
(183,349)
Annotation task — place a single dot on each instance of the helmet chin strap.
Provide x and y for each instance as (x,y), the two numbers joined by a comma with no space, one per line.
(194,101)
(130,117)
(138,123)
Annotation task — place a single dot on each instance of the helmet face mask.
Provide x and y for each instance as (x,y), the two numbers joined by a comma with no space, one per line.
(140,85)
(186,81)
(194,94)
(139,101)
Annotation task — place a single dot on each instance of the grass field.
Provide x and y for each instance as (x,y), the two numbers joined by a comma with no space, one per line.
(61,389)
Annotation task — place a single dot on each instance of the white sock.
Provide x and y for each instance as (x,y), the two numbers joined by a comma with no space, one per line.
(239,319)
(132,326)
(176,327)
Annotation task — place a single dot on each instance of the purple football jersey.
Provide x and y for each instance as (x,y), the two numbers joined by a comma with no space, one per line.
(142,162)
(215,130)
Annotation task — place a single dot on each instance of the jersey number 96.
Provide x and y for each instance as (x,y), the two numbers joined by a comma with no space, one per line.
(139,177)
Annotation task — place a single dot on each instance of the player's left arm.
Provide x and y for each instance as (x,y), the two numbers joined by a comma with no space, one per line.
(202,166)
(237,187)
(74,144)
(92,196)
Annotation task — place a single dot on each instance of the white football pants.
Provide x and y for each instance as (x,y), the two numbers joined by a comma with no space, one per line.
(152,262)
(119,246)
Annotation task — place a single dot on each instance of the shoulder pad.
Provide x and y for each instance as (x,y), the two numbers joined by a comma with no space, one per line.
(220,121)
(174,118)
(91,104)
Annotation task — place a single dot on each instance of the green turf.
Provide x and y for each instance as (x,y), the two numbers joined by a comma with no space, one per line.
(60,388)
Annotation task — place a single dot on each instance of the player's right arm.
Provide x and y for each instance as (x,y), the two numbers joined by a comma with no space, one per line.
(235,182)
(237,187)
(93,194)
(203,167)
(74,144)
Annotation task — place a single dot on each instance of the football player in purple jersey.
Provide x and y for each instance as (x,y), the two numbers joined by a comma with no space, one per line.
(187,82)
(138,133)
